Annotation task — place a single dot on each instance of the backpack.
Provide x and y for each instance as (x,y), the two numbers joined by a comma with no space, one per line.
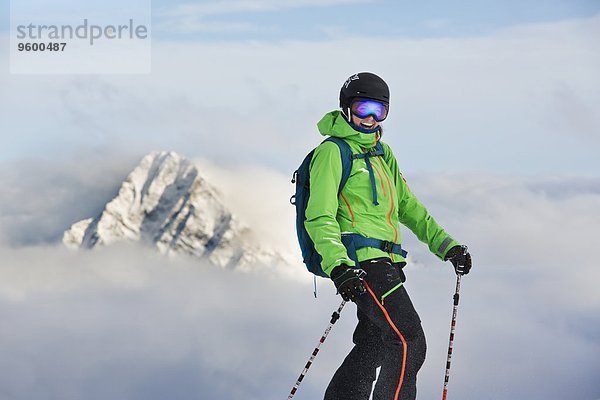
(301,177)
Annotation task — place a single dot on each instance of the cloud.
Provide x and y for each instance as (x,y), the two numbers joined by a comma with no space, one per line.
(153,327)
(539,229)
(244,6)
(481,103)
(201,17)
(41,198)
(573,114)
(260,197)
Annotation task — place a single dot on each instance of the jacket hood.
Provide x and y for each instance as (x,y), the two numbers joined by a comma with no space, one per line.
(334,124)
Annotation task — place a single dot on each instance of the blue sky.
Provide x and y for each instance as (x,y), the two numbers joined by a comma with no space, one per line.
(307,20)
(379,18)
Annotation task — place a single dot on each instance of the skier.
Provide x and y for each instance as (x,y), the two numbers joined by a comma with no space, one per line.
(357,230)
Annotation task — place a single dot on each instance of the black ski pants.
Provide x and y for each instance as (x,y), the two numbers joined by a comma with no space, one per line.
(388,335)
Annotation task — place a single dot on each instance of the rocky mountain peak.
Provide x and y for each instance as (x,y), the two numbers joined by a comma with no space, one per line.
(166,203)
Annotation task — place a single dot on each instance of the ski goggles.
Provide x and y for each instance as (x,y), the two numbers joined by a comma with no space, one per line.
(362,108)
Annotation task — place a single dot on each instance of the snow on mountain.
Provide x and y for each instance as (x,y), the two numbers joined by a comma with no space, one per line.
(164,202)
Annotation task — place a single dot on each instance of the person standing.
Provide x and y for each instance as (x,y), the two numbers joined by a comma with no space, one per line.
(357,231)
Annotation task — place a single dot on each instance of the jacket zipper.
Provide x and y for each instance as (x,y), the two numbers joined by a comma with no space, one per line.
(389,216)
(380,180)
(349,209)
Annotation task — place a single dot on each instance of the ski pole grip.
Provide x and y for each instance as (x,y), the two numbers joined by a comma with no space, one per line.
(334,317)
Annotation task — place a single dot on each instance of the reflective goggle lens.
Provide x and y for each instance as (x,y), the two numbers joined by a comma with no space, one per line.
(362,108)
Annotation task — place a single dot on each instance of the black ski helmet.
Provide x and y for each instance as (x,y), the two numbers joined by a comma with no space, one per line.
(365,85)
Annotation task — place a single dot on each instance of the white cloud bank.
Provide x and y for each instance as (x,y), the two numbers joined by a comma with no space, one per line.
(521,100)
(126,323)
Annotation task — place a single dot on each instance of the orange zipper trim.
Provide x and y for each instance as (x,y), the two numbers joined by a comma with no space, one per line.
(349,209)
(395,328)
(380,180)
(389,216)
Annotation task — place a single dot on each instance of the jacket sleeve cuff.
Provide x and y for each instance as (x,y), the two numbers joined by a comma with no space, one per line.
(445,246)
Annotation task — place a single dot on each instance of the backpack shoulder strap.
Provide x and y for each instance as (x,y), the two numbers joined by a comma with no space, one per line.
(346,155)
(379,150)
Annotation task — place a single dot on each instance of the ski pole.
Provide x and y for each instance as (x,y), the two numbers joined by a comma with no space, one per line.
(452,329)
(334,317)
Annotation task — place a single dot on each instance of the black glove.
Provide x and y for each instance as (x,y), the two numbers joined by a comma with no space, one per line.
(461,259)
(348,281)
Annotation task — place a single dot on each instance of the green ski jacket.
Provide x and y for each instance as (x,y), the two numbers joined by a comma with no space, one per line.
(328,215)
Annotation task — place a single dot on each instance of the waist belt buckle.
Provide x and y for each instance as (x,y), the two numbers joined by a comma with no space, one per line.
(387,246)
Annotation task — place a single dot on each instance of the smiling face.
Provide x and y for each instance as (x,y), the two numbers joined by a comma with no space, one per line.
(367,123)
